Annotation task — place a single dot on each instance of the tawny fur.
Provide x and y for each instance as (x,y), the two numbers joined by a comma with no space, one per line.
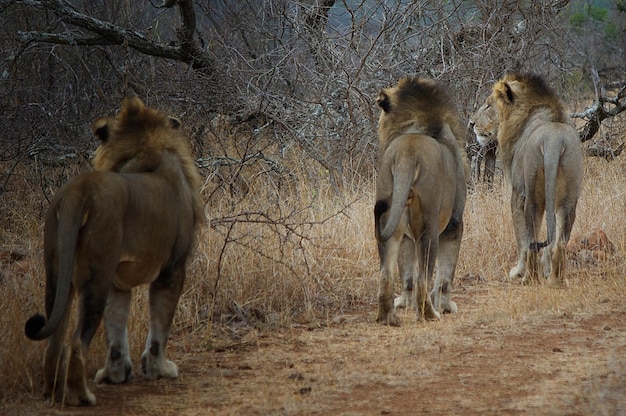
(420,196)
(542,159)
(133,221)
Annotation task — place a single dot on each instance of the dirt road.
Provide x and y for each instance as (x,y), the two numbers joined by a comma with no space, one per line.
(558,362)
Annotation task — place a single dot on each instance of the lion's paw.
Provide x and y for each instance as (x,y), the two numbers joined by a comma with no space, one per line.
(442,303)
(449,308)
(120,372)
(169,370)
(432,315)
(517,271)
(403,301)
(428,313)
(79,397)
(390,319)
(152,368)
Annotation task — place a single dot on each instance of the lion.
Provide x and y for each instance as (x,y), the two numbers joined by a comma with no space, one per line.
(542,158)
(132,221)
(420,196)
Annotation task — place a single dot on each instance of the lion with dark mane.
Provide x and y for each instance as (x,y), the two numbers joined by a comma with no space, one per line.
(420,197)
(133,221)
(542,159)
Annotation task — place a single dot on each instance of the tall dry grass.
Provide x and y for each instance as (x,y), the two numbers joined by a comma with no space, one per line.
(304,255)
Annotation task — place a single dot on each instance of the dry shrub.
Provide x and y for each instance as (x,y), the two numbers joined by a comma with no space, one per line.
(299,254)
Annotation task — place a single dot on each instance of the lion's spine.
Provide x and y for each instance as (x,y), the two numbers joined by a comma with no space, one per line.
(69,218)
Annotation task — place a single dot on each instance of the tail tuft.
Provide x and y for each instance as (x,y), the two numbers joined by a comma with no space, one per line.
(34,324)
(535,246)
(380,208)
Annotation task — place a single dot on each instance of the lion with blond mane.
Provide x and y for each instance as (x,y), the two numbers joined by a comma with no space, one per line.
(542,158)
(133,221)
(420,197)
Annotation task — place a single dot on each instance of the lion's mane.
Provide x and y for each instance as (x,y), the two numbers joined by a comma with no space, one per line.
(418,105)
(522,97)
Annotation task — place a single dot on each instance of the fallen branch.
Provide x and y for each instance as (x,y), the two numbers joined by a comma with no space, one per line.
(598,112)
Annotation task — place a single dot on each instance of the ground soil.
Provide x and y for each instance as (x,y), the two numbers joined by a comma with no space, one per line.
(560,363)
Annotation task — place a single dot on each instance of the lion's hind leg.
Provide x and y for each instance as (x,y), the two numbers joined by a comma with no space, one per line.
(65,368)
(426,254)
(447,256)
(406,267)
(388,253)
(92,304)
(521,235)
(554,255)
(76,392)
(557,257)
(55,360)
(527,222)
(557,264)
(164,295)
(118,367)
(531,275)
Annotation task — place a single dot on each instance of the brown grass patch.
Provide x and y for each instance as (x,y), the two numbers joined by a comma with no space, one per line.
(278,314)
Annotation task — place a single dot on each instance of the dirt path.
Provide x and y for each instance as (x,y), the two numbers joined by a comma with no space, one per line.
(569,363)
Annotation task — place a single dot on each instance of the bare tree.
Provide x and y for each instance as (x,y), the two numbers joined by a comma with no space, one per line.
(305,72)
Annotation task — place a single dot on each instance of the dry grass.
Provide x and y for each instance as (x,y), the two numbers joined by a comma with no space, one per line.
(307,257)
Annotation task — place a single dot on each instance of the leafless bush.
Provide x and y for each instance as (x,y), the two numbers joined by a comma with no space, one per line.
(309,70)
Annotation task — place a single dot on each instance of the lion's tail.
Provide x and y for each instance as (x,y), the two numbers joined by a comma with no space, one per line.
(406,173)
(551,159)
(70,218)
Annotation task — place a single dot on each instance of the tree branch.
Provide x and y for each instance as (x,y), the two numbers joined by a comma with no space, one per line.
(110,34)
(597,112)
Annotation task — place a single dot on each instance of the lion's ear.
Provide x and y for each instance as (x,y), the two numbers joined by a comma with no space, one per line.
(131,107)
(174,123)
(514,89)
(383,101)
(509,93)
(100,129)
(503,92)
